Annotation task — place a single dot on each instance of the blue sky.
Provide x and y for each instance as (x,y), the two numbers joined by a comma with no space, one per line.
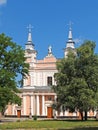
(50,20)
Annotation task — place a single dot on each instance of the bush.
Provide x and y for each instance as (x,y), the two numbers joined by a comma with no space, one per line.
(35,117)
(18,121)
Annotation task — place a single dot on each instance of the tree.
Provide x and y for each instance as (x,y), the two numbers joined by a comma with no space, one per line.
(12,64)
(77,83)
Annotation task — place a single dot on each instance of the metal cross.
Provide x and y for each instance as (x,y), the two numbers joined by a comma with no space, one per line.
(30,27)
(70,24)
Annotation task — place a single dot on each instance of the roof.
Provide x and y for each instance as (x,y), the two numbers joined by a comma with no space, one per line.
(37,89)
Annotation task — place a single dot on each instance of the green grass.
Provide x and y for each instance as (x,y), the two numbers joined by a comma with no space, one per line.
(50,125)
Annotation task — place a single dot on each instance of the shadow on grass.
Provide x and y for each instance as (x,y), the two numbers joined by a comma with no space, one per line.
(79,128)
(89,128)
(70,120)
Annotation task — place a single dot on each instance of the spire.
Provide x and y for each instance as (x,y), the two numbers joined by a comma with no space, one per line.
(70,34)
(29,33)
(70,43)
(29,44)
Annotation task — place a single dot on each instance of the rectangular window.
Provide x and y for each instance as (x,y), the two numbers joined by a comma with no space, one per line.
(49,81)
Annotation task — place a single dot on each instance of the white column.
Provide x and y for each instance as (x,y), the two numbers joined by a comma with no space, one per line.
(74,114)
(30,80)
(6,112)
(95,112)
(24,82)
(32,106)
(24,105)
(55,111)
(43,105)
(61,112)
(66,113)
(37,102)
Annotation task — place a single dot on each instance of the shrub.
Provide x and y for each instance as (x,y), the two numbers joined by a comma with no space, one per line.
(35,117)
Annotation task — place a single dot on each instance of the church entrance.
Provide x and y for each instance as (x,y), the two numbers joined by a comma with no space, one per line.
(18,113)
(49,112)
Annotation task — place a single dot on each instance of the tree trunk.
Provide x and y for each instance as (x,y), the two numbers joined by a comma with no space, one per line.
(80,115)
(85,116)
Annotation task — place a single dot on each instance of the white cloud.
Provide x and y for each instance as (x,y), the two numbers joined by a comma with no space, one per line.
(2,2)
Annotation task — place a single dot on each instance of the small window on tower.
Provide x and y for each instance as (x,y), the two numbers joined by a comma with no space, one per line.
(49,81)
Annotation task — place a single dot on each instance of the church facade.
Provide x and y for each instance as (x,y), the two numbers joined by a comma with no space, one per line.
(36,93)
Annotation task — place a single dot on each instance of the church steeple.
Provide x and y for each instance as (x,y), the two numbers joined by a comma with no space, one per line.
(30,52)
(29,44)
(70,43)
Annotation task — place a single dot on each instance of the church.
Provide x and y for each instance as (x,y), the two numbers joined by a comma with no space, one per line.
(36,93)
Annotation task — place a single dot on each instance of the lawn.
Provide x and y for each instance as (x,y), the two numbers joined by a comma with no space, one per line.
(50,125)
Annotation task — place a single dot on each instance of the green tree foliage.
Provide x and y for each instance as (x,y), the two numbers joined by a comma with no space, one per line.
(12,64)
(77,80)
